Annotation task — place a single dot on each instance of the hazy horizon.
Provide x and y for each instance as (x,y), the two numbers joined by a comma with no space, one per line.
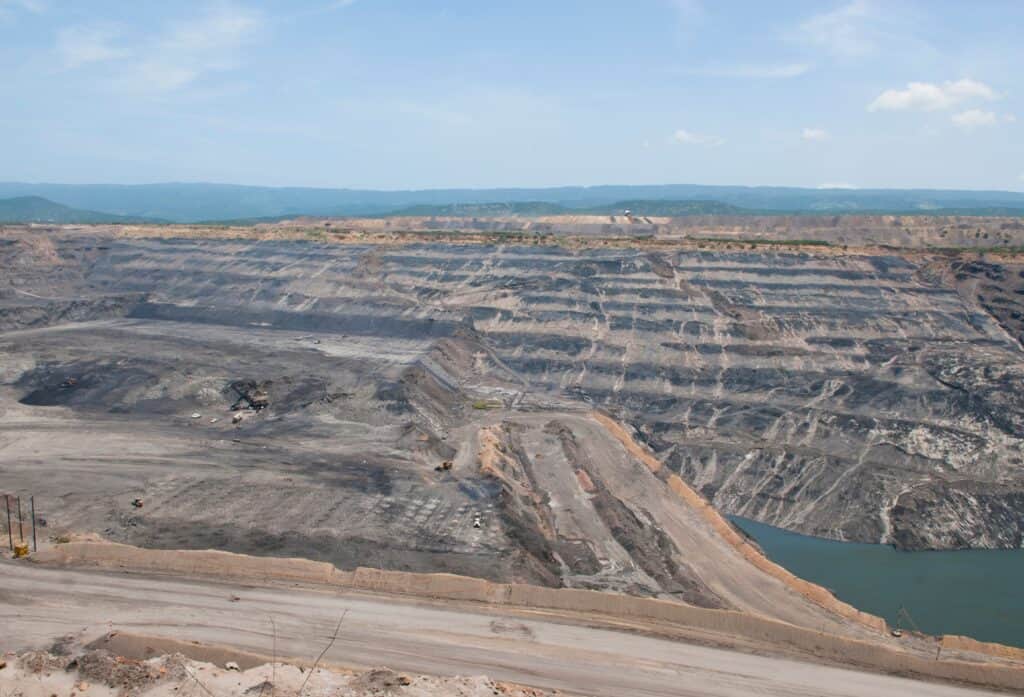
(525,187)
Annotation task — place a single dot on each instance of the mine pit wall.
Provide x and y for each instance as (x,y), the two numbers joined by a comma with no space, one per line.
(730,334)
(45,314)
(909,231)
(727,532)
(813,592)
(460,588)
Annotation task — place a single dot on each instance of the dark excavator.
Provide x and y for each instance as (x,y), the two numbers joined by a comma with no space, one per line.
(903,619)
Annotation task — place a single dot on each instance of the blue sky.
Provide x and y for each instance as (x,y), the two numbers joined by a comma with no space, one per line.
(472,93)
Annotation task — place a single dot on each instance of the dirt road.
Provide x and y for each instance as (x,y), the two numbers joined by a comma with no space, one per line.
(37,605)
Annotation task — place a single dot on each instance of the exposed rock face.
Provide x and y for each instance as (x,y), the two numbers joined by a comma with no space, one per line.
(855,397)
(998,288)
(961,514)
(906,231)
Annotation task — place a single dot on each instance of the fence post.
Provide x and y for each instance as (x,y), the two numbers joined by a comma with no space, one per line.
(21,523)
(32,503)
(10,533)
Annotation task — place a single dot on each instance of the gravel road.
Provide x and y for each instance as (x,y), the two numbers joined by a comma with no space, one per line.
(38,605)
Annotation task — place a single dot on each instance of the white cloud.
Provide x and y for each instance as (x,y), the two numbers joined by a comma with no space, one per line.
(974,118)
(11,8)
(859,29)
(172,59)
(225,27)
(754,70)
(688,10)
(927,96)
(836,185)
(843,31)
(158,76)
(80,45)
(814,134)
(431,112)
(35,6)
(684,137)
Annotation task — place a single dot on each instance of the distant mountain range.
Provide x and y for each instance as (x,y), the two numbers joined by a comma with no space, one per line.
(220,202)
(35,209)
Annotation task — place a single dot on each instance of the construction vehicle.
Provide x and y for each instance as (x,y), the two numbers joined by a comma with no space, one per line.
(903,618)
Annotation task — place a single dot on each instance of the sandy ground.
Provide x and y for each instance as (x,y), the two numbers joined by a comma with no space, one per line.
(99,673)
(41,605)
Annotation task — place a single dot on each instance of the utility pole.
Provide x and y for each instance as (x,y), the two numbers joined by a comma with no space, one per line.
(10,534)
(32,504)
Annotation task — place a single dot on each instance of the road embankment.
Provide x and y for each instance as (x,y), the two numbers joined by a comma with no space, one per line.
(594,604)
(815,593)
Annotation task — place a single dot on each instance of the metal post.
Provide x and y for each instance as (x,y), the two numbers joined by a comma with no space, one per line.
(32,503)
(10,534)
(21,527)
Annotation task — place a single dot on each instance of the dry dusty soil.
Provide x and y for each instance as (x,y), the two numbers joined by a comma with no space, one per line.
(103,673)
(67,612)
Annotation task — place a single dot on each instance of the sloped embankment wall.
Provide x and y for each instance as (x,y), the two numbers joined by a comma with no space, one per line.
(751,553)
(450,587)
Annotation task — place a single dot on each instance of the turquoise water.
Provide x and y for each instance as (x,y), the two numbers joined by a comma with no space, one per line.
(979,593)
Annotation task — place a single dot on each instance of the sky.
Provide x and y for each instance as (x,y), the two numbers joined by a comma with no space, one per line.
(397,94)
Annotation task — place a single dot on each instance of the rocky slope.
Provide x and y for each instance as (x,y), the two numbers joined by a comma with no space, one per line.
(895,231)
(872,397)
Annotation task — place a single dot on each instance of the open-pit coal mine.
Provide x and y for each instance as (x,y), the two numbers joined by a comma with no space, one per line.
(482,408)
